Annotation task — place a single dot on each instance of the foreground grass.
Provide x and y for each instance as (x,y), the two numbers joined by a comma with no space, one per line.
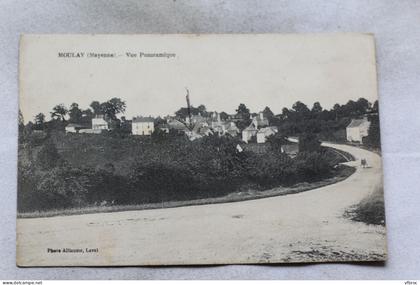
(370,210)
(343,172)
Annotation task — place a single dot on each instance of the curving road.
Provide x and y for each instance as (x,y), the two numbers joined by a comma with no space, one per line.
(304,227)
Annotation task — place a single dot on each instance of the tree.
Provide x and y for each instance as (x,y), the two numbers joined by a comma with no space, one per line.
(59,112)
(243,111)
(21,128)
(109,108)
(21,121)
(48,156)
(317,108)
(362,106)
(300,107)
(159,136)
(375,107)
(87,116)
(202,110)
(118,105)
(244,117)
(126,125)
(182,113)
(374,133)
(337,110)
(63,187)
(350,109)
(75,114)
(300,112)
(268,113)
(224,116)
(308,142)
(96,107)
(285,113)
(39,121)
(276,142)
(312,166)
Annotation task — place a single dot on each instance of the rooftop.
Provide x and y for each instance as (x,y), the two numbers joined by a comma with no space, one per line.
(143,120)
(356,122)
(268,130)
(71,125)
(251,127)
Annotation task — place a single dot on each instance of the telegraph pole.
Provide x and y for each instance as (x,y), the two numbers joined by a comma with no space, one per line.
(188,105)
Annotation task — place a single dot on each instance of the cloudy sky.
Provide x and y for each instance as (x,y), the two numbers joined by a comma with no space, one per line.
(221,71)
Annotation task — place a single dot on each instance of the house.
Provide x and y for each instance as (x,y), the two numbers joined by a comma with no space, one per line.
(205,131)
(231,129)
(259,121)
(198,125)
(215,121)
(249,132)
(195,119)
(177,125)
(143,126)
(220,130)
(74,128)
(220,126)
(164,128)
(264,133)
(201,129)
(235,117)
(99,124)
(357,130)
(193,135)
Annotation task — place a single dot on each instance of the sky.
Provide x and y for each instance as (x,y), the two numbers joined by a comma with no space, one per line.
(220,71)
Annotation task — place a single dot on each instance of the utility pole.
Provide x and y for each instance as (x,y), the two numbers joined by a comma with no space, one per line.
(188,105)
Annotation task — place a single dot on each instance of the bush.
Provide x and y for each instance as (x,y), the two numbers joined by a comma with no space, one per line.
(270,169)
(48,156)
(308,142)
(91,169)
(28,200)
(374,137)
(276,142)
(312,166)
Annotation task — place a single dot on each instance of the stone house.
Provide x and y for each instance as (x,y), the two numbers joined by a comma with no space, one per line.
(142,126)
(249,132)
(357,130)
(264,133)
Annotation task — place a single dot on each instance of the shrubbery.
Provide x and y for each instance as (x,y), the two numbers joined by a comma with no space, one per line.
(70,172)
(374,137)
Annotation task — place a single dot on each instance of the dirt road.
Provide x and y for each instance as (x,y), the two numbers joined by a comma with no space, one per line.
(303,227)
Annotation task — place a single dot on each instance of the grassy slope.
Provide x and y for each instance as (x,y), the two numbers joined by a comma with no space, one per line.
(342,173)
(370,210)
(96,151)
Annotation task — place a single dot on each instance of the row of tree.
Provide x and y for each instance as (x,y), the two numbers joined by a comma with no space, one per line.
(328,124)
(60,114)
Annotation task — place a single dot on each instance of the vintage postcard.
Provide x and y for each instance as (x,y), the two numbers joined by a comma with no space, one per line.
(199,149)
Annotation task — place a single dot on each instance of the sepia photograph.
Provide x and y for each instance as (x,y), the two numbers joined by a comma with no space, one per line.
(184,149)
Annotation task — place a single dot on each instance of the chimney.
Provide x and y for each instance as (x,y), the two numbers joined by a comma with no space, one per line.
(218,117)
(261,115)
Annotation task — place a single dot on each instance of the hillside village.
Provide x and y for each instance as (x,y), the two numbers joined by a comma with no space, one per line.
(198,126)
(194,128)
(95,155)
(356,122)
